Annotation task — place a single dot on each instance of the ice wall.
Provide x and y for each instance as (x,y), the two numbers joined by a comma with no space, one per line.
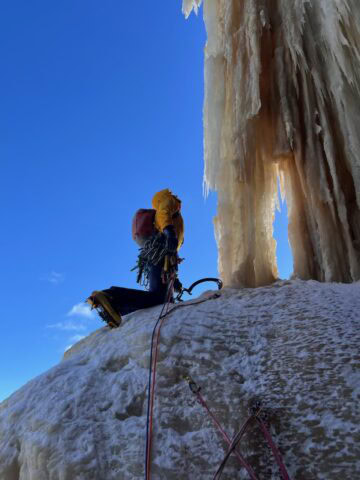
(282,82)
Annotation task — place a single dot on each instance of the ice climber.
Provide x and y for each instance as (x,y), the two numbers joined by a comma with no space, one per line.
(160,232)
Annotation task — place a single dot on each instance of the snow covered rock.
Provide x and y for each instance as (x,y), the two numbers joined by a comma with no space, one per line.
(294,345)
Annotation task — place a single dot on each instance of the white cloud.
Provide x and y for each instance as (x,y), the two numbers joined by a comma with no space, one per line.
(54,277)
(81,310)
(67,326)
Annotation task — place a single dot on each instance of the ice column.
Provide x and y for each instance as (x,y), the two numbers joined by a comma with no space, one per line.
(282,99)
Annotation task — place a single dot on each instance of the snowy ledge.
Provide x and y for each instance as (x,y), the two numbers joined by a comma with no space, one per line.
(293,344)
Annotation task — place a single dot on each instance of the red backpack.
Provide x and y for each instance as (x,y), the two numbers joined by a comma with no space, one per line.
(143,225)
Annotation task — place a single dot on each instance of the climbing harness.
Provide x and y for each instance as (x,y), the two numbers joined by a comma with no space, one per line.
(195,284)
(165,311)
(256,412)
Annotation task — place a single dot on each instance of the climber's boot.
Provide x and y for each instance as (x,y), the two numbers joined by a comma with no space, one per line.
(101,303)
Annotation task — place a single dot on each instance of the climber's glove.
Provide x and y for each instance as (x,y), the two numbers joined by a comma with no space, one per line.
(171,238)
(177,285)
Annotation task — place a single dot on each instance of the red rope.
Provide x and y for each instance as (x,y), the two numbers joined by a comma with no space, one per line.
(227,438)
(152,373)
(152,392)
(274,449)
(235,441)
(202,401)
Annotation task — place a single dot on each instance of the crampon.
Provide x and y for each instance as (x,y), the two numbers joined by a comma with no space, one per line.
(102,305)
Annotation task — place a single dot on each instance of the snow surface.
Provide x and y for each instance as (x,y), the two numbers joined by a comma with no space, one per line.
(282,100)
(294,345)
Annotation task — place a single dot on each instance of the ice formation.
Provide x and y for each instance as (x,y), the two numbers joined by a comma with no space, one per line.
(282,100)
(85,418)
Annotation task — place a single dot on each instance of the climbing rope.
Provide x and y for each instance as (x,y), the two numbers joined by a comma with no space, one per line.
(235,442)
(258,413)
(195,389)
(274,448)
(165,311)
(151,382)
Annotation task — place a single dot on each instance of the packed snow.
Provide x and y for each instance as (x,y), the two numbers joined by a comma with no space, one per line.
(282,100)
(294,345)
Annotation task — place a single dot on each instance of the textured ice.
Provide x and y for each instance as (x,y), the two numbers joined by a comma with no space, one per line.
(282,99)
(294,344)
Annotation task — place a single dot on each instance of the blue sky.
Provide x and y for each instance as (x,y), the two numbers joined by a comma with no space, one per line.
(101,107)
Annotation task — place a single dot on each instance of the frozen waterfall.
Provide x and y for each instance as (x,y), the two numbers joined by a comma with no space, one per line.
(282,82)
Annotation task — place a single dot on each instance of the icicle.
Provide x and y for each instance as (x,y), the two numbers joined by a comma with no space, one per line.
(190,5)
(282,96)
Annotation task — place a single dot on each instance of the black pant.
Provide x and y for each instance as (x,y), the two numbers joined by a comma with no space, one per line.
(127,300)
